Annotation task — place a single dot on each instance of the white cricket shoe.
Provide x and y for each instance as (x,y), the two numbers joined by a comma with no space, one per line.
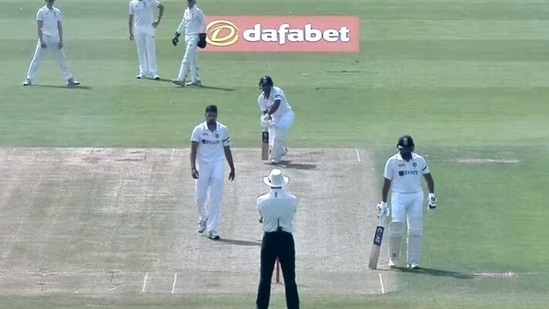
(213,235)
(139,76)
(413,266)
(179,82)
(194,84)
(392,264)
(201,226)
(156,77)
(27,82)
(71,82)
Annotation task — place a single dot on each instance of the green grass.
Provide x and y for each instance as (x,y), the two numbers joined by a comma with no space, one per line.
(467,79)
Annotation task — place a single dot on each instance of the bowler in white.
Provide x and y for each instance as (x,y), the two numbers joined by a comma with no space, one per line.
(404,172)
(210,147)
(143,26)
(278,117)
(49,24)
(192,24)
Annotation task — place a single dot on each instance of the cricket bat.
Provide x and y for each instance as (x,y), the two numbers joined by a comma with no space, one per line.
(265,144)
(376,246)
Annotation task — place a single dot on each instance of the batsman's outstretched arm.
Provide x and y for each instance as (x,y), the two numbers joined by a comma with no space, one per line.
(430,182)
(229,157)
(385,190)
(194,148)
(274,108)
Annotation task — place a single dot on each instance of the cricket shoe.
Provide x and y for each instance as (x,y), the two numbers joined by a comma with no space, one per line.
(413,265)
(71,82)
(179,82)
(392,264)
(156,77)
(213,235)
(140,76)
(194,84)
(201,226)
(27,82)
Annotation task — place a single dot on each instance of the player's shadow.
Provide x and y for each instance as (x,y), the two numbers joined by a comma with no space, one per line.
(217,88)
(64,87)
(240,242)
(297,166)
(436,272)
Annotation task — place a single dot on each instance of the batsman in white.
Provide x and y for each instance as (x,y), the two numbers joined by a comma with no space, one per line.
(403,171)
(210,146)
(143,26)
(193,24)
(278,116)
(50,37)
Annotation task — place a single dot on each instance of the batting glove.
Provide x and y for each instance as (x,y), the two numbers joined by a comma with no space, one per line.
(382,209)
(175,39)
(432,201)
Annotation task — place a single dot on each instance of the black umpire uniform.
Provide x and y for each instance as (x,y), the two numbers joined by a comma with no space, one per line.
(277,209)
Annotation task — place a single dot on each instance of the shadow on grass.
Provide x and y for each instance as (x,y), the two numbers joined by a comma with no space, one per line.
(240,242)
(436,272)
(290,165)
(63,87)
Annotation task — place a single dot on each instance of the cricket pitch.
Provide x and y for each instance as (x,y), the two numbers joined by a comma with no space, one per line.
(123,221)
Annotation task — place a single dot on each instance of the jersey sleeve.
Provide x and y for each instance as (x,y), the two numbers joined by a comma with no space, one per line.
(59,16)
(202,20)
(424,166)
(195,136)
(130,9)
(261,104)
(40,15)
(278,95)
(226,138)
(156,3)
(388,171)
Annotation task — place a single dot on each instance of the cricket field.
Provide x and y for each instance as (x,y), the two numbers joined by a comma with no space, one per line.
(96,196)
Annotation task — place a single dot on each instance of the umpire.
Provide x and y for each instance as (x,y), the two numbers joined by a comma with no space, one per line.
(277,209)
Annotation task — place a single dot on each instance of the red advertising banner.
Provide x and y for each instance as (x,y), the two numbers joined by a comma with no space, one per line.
(334,34)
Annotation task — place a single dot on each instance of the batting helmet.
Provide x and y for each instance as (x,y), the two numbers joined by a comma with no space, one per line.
(265,81)
(405,142)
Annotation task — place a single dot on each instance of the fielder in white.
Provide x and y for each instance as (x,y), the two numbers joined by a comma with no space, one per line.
(403,171)
(278,116)
(210,146)
(50,37)
(193,24)
(143,29)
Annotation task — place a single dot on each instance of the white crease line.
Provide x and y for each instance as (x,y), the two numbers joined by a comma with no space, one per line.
(381,283)
(173,152)
(174,282)
(145,282)
(357,155)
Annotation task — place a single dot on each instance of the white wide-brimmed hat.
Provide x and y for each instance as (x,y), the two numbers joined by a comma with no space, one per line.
(276,179)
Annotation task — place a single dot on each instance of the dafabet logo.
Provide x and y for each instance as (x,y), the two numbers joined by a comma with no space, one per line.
(283,34)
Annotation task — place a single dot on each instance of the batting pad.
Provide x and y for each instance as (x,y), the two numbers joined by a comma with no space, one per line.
(396,229)
(415,240)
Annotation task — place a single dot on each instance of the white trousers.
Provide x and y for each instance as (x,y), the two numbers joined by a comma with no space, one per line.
(278,132)
(407,207)
(146,53)
(39,53)
(209,193)
(190,59)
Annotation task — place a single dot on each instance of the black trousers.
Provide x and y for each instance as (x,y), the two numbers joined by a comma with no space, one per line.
(279,245)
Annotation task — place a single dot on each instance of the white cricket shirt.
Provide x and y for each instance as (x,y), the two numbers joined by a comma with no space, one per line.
(143,15)
(277,208)
(210,144)
(193,22)
(267,103)
(49,20)
(406,176)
